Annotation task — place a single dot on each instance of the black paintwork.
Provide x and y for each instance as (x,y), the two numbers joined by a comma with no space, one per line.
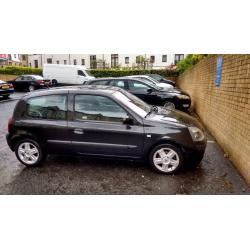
(155,97)
(100,138)
(159,78)
(24,81)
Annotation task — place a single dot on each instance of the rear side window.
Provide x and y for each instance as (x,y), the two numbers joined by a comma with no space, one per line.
(103,82)
(47,107)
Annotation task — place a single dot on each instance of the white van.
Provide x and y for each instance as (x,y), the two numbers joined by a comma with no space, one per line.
(61,74)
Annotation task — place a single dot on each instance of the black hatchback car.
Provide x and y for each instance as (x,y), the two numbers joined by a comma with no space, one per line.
(103,122)
(30,82)
(150,93)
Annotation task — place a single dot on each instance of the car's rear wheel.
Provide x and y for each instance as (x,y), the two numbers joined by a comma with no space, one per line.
(54,82)
(29,152)
(31,88)
(6,96)
(166,158)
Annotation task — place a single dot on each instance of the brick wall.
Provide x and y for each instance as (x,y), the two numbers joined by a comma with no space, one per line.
(224,110)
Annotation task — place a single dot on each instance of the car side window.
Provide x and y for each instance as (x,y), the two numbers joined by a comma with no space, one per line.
(135,85)
(118,83)
(80,73)
(103,82)
(47,107)
(18,78)
(98,108)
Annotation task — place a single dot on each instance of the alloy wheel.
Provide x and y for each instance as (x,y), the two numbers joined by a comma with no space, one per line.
(166,160)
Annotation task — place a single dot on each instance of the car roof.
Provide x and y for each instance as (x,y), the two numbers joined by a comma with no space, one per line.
(100,89)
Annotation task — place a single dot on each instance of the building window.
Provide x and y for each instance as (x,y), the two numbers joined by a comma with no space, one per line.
(152,59)
(93,63)
(57,62)
(138,59)
(114,60)
(36,63)
(164,58)
(126,60)
(30,64)
(178,57)
(65,61)
(75,62)
(83,61)
(49,60)
(23,57)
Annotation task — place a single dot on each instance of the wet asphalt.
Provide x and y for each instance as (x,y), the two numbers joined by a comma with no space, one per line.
(78,175)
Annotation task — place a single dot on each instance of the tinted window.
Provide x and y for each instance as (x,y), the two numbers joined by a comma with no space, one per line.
(80,73)
(98,108)
(47,107)
(103,82)
(135,85)
(118,83)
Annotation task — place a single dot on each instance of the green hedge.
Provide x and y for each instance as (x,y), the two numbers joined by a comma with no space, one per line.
(17,70)
(126,72)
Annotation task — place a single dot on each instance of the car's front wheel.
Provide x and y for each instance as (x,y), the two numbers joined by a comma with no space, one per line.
(166,158)
(29,152)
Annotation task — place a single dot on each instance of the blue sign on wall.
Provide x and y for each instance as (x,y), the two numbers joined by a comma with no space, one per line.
(218,71)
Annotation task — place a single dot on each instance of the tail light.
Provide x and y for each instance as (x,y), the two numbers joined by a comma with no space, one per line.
(10,124)
(40,82)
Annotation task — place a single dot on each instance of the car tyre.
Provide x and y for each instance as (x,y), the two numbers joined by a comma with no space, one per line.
(29,152)
(195,160)
(6,97)
(54,82)
(166,158)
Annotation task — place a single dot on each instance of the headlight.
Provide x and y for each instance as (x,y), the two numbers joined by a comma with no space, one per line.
(184,97)
(196,134)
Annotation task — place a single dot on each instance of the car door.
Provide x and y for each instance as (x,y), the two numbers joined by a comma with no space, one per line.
(17,83)
(144,92)
(96,128)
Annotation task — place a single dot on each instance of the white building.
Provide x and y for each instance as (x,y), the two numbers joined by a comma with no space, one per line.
(155,61)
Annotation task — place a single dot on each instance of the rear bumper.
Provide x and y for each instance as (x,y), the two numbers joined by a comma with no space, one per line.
(6,92)
(8,139)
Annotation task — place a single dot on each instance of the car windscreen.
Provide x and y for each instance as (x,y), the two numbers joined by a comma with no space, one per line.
(133,102)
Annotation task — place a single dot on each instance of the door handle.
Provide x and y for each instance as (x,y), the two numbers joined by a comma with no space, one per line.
(78,131)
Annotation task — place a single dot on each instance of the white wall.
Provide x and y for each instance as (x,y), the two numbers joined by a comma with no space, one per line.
(42,58)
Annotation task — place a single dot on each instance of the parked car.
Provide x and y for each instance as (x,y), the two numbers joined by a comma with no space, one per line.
(6,89)
(160,78)
(103,121)
(148,92)
(61,74)
(30,82)
(152,81)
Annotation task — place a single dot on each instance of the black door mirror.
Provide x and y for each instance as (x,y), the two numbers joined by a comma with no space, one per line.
(128,121)
(149,91)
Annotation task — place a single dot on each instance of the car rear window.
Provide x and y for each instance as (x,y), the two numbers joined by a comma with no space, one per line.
(47,107)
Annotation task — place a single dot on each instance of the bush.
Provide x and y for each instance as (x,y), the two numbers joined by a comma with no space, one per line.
(126,72)
(189,61)
(18,70)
